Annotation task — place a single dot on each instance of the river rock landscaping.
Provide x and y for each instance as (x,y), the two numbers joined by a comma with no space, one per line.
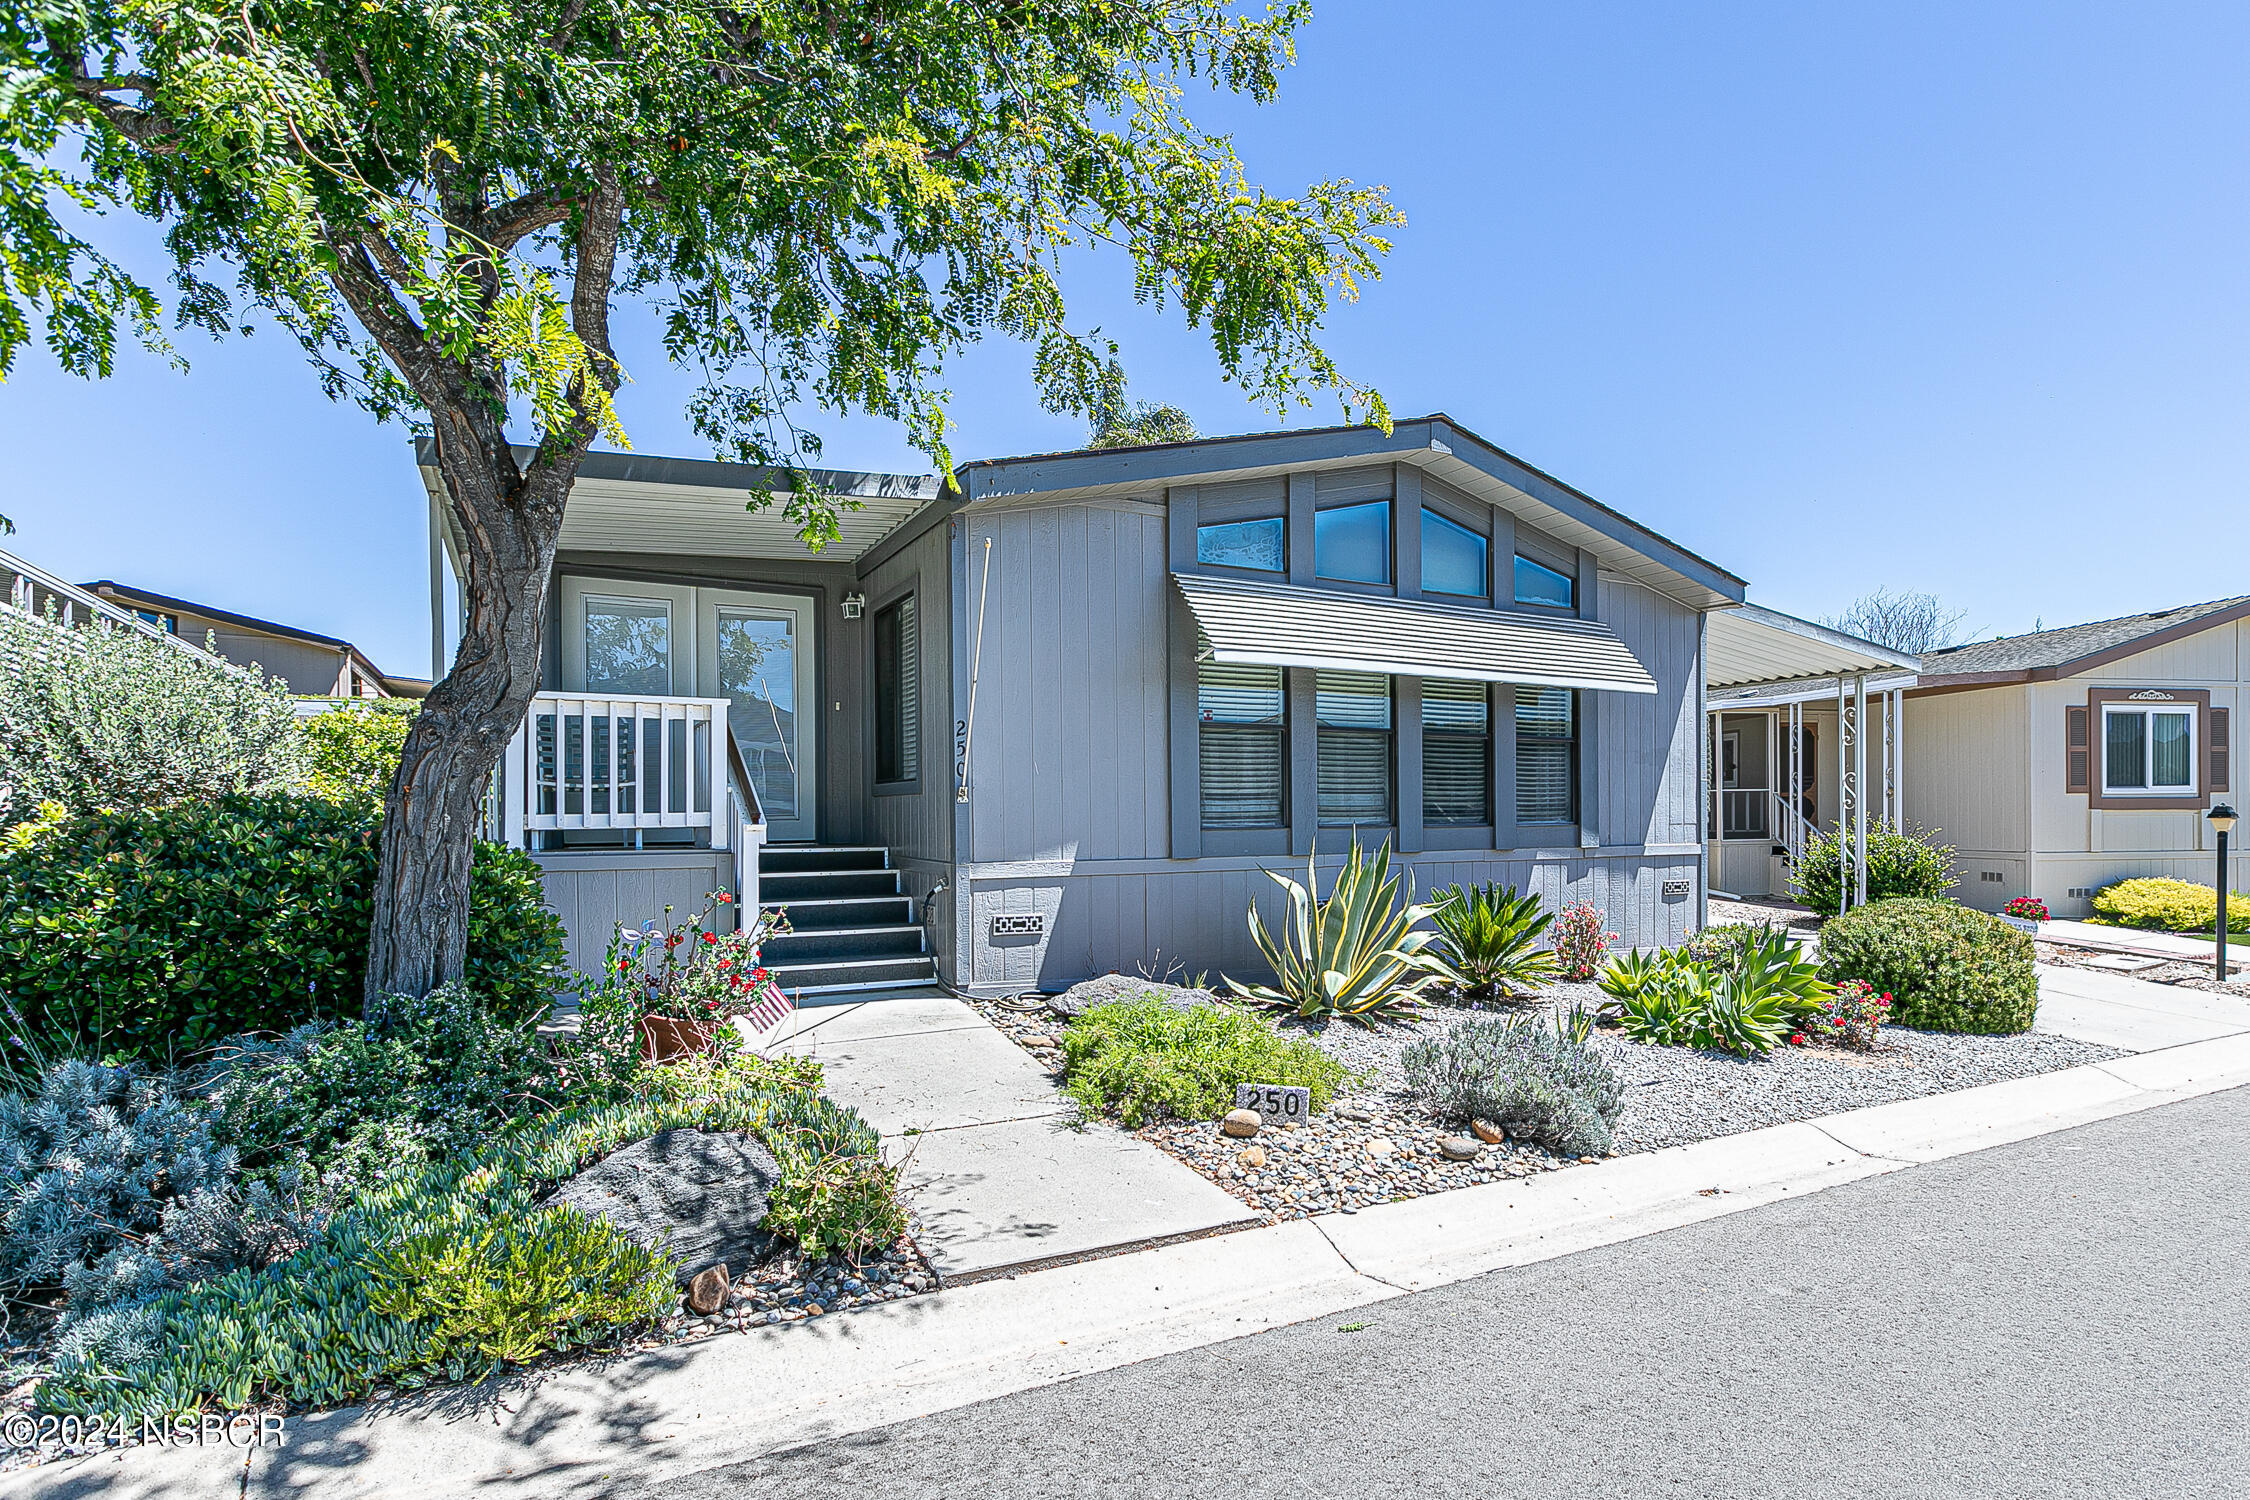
(1376,1144)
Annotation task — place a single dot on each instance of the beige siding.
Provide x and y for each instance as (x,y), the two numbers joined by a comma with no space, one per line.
(1965,768)
(1988,768)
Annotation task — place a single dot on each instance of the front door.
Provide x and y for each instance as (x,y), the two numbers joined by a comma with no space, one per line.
(756,651)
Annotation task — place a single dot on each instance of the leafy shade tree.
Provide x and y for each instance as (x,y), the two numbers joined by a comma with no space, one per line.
(1119,423)
(1913,623)
(442,199)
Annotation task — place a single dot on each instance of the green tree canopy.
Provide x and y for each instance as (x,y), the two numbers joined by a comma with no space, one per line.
(441,199)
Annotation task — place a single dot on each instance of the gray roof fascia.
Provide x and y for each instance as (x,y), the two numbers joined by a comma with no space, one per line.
(1415,440)
(718,474)
(1583,508)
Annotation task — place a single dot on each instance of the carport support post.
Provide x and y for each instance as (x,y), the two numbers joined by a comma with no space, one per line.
(1859,778)
(1846,795)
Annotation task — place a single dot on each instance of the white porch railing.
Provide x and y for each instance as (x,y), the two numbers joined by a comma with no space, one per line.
(599,761)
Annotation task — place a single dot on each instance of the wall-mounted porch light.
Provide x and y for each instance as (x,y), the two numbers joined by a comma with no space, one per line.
(855,604)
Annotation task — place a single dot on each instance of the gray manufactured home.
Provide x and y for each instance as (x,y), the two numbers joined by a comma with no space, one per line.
(1059,716)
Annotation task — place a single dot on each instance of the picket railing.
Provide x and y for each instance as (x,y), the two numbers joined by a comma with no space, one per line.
(601,761)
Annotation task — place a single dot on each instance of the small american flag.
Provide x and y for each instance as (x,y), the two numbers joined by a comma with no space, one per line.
(765,1017)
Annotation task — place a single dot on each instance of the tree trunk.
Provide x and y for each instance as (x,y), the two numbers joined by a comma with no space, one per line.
(510,523)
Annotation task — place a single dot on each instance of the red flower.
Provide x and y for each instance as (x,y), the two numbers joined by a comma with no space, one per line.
(725,899)
(710,937)
(1797,1039)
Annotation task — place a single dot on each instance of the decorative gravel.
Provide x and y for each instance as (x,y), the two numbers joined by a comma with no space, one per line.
(1375,1145)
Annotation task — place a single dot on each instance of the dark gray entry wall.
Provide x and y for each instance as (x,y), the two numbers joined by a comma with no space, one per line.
(1083,801)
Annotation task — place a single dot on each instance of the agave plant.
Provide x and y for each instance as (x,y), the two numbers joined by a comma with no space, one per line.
(1489,936)
(1354,955)
(1664,1002)
(1628,977)
(1738,1016)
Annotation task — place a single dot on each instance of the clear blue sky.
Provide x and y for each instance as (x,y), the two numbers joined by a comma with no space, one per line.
(1934,296)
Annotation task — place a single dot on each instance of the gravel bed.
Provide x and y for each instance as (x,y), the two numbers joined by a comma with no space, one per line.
(1375,1145)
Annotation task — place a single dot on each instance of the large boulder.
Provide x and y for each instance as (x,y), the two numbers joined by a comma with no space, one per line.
(1110,988)
(697,1195)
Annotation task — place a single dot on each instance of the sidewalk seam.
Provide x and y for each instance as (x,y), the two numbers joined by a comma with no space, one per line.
(1820,1124)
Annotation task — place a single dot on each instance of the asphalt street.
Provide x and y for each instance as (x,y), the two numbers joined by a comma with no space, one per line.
(2065,1317)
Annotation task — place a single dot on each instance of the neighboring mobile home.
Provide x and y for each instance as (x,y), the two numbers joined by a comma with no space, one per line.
(1059,716)
(2062,761)
(307,663)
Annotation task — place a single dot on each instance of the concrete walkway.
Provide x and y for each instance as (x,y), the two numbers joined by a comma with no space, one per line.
(2136,1014)
(999,1178)
(2144,944)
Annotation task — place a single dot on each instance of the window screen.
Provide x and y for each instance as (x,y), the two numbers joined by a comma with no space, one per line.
(1354,774)
(898,693)
(1456,752)
(1546,755)
(1242,736)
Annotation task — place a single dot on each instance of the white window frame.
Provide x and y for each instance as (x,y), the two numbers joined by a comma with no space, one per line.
(2192,787)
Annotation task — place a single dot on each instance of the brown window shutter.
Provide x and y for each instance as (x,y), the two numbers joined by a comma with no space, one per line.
(2219,745)
(2079,773)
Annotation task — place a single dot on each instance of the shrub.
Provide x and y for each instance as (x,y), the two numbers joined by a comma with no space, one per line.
(1850,1015)
(89,1161)
(1739,991)
(1901,862)
(1145,1060)
(109,717)
(331,1321)
(1353,955)
(1490,938)
(1945,967)
(140,933)
(419,1079)
(352,752)
(1518,1072)
(513,1290)
(2170,906)
(1579,940)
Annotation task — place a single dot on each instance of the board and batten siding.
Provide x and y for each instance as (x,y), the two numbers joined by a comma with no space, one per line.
(1071,765)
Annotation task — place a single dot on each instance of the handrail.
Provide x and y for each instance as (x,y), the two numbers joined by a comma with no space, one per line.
(628,762)
(23,598)
(1800,830)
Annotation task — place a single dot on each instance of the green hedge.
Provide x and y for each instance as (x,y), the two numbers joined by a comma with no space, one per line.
(1144,1060)
(152,934)
(1945,967)
(1901,862)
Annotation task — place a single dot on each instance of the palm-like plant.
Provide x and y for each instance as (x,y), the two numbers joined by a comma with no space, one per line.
(1489,936)
(1354,955)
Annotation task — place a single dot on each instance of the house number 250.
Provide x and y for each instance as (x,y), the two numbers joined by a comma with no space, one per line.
(1276,1104)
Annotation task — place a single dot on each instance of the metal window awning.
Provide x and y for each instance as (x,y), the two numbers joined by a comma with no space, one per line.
(1751,647)
(1278,625)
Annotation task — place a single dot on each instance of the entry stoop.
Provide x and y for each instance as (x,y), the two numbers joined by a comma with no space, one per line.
(853,926)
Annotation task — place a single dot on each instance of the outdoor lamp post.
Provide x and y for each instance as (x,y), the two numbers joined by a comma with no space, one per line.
(2222,823)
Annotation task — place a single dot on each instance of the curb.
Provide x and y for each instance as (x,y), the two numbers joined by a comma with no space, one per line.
(673,1412)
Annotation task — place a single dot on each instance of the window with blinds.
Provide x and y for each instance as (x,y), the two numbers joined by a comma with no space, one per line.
(1456,752)
(898,693)
(1354,771)
(1242,741)
(1546,755)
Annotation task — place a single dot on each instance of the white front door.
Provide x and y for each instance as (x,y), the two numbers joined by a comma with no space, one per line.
(756,650)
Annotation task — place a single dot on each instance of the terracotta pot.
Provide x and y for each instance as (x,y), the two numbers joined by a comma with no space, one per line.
(667,1038)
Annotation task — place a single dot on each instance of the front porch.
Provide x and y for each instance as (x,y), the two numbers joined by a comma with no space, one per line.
(1804,734)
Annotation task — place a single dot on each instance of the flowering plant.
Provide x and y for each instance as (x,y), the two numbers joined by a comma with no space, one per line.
(2031,908)
(691,971)
(1849,1016)
(1579,941)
